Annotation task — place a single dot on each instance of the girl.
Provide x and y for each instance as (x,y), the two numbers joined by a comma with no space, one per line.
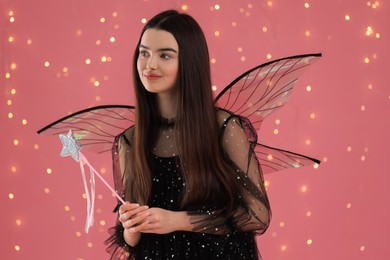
(187,168)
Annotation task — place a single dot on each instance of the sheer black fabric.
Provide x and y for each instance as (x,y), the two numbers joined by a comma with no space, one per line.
(216,235)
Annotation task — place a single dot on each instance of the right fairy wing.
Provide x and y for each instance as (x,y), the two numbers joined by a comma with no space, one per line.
(271,159)
(94,128)
(274,159)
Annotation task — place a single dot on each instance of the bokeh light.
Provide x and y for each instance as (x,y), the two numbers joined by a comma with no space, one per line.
(58,58)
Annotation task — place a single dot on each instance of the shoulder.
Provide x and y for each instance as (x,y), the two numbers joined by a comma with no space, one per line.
(226,118)
(234,124)
(223,117)
(126,136)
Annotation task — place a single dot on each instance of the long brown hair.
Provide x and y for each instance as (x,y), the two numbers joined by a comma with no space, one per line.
(208,177)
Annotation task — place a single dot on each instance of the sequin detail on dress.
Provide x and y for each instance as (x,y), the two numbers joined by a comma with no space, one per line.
(167,188)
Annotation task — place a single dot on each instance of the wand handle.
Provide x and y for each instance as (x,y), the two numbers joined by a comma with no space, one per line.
(82,157)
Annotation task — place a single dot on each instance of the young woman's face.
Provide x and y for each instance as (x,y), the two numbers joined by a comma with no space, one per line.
(158,61)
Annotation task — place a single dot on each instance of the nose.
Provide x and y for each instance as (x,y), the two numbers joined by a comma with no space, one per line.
(152,62)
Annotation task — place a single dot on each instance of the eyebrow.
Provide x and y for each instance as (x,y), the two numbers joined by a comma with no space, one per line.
(162,49)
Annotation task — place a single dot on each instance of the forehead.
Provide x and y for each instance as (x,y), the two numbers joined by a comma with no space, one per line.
(158,39)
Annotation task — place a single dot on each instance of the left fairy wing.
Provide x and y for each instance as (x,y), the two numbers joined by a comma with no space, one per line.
(256,94)
(94,128)
(262,90)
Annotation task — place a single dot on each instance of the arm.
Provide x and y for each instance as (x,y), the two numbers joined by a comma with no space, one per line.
(238,140)
(120,242)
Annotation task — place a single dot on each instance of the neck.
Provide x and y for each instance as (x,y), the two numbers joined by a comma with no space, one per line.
(167,103)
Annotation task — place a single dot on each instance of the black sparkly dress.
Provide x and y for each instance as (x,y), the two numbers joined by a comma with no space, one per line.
(215,236)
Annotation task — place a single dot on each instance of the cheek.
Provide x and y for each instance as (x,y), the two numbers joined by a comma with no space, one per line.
(174,71)
(139,66)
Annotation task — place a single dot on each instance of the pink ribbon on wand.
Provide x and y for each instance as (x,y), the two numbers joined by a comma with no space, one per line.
(72,148)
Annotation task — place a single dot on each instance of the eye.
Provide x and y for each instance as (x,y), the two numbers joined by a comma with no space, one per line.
(165,56)
(143,53)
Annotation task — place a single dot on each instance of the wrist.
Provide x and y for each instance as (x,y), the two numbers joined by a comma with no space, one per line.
(131,238)
(183,221)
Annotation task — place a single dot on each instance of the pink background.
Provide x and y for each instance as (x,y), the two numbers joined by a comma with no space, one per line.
(59,57)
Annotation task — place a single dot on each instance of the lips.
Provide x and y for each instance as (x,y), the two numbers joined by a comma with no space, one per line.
(152,76)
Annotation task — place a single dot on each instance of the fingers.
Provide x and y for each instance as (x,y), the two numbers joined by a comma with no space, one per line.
(133,216)
(150,227)
(130,210)
(136,221)
(127,206)
(158,222)
(139,227)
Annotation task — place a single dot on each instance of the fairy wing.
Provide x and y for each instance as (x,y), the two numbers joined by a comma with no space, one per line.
(274,159)
(96,127)
(262,90)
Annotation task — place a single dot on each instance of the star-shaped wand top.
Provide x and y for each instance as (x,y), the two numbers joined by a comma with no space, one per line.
(70,146)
